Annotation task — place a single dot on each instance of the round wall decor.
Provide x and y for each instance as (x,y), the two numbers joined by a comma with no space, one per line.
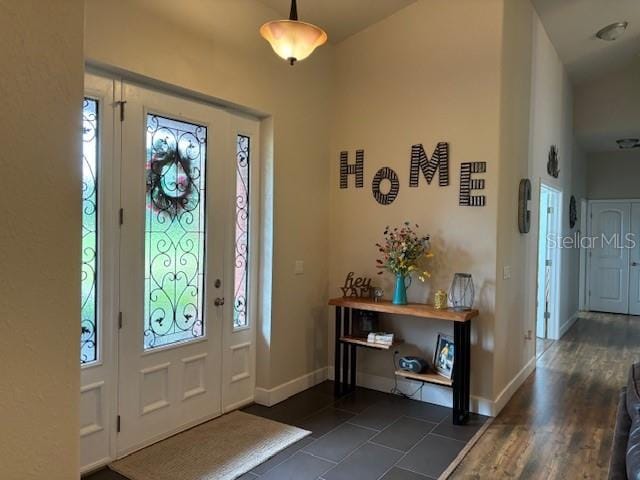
(524,214)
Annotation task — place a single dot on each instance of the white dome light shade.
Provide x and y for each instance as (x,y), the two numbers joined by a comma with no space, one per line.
(293,40)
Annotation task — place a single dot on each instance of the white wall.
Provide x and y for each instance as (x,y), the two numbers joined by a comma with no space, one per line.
(613,175)
(552,124)
(228,60)
(40,131)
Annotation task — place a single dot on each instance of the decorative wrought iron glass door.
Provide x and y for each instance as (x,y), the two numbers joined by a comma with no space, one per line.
(172,250)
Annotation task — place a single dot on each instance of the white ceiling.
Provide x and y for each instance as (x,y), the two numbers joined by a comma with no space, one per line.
(572,25)
(340,18)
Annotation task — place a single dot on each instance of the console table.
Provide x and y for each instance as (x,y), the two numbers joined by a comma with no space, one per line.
(346,346)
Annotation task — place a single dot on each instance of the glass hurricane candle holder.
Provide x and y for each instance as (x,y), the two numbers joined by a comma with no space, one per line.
(461,292)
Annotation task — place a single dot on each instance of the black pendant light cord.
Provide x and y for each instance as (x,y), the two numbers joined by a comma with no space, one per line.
(293,15)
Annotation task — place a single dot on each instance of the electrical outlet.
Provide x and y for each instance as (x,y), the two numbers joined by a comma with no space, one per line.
(299,268)
(506,272)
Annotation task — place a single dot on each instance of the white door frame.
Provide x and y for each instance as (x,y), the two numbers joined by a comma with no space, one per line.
(553,325)
(584,230)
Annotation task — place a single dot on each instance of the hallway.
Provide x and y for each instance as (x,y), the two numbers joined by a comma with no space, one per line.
(559,425)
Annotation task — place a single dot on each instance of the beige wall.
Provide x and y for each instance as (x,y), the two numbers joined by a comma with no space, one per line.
(41,85)
(230,61)
(403,81)
(613,175)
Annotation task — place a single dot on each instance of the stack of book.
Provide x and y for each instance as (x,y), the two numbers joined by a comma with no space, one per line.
(380,338)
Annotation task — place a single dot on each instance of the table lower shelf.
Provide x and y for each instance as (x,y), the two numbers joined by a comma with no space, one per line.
(362,342)
(428,377)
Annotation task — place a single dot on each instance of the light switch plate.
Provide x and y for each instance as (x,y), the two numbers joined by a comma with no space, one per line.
(299,268)
(506,272)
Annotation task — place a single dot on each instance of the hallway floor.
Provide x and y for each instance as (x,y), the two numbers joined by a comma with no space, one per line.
(559,424)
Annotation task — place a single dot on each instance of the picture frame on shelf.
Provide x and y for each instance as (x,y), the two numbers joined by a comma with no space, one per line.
(443,358)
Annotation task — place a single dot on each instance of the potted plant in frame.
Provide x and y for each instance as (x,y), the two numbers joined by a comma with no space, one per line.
(403,252)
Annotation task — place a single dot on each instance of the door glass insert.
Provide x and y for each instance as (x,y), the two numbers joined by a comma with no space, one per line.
(241,250)
(174,231)
(89,279)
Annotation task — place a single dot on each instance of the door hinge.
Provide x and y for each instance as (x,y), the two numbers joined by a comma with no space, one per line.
(118,422)
(119,320)
(549,209)
(547,315)
(121,105)
(121,216)
(547,263)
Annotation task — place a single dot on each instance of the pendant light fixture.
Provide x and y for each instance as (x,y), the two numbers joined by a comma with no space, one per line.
(291,39)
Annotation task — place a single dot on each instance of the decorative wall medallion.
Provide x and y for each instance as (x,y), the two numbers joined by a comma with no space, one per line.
(573,212)
(552,165)
(524,214)
(467,184)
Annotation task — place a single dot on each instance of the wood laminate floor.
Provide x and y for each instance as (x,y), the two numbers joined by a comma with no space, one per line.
(559,424)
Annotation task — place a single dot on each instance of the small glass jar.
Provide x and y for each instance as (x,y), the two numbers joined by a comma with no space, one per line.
(461,292)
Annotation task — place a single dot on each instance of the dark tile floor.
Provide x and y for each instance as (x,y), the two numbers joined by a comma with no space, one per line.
(367,435)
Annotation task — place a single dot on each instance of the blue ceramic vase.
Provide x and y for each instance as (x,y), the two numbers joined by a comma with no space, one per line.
(400,292)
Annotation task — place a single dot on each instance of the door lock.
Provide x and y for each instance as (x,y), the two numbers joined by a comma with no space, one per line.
(634,264)
(218,302)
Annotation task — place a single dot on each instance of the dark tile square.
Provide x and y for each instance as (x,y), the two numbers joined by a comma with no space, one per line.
(432,455)
(403,434)
(378,416)
(422,410)
(281,456)
(464,433)
(248,476)
(301,466)
(324,421)
(104,474)
(367,462)
(340,442)
(400,474)
(360,400)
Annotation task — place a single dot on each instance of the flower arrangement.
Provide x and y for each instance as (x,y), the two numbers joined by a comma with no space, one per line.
(403,252)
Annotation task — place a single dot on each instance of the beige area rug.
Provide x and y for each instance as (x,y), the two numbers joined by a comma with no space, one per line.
(222,449)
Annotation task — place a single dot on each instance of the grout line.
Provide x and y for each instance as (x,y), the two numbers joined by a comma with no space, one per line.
(385,446)
(362,426)
(450,438)
(465,451)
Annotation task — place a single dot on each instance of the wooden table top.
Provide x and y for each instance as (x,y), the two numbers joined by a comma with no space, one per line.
(412,309)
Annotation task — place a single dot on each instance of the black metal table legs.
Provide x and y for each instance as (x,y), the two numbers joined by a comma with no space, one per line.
(461,371)
(345,354)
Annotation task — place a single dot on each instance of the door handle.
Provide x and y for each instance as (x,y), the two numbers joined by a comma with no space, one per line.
(635,264)
(218,302)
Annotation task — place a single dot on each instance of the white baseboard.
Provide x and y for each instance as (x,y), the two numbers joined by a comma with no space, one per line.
(430,393)
(271,396)
(564,328)
(511,388)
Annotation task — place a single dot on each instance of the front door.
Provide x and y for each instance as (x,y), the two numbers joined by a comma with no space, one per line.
(609,261)
(171,265)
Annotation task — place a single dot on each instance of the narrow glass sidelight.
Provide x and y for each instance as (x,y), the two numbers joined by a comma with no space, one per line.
(174,232)
(89,255)
(241,251)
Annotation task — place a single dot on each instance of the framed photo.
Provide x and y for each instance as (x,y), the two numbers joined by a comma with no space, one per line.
(443,359)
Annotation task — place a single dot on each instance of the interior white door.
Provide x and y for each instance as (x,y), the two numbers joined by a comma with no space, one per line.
(633,242)
(609,259)
(543,266)
(174,200)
